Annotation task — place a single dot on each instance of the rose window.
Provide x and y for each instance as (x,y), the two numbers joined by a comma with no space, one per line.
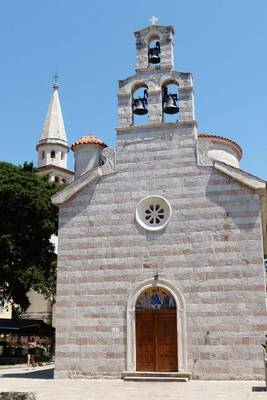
(153,213)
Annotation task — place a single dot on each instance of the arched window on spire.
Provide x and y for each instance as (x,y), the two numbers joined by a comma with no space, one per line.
(53,154)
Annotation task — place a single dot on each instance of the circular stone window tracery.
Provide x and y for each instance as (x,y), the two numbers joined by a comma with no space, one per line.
(153,213)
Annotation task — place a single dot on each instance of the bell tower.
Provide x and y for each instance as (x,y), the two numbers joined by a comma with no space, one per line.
(156,91)
(154,45)
(53,147)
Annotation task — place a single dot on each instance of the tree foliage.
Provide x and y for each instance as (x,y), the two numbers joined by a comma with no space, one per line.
(27,221)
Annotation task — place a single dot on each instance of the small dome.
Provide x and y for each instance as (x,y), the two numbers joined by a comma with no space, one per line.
(223,140)
(88,139)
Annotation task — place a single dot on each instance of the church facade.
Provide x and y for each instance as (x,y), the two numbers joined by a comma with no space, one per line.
(161,240)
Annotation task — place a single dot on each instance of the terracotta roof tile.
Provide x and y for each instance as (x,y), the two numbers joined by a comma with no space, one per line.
(218,138)
(88,139)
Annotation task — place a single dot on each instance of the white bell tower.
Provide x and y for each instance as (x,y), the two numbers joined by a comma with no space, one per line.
(53,146)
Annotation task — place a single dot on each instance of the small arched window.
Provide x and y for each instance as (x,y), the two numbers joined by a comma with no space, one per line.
(56,179)
(43,155)
(62,155)
(53,154)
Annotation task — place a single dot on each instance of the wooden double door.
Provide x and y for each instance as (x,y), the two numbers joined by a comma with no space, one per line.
(156,340)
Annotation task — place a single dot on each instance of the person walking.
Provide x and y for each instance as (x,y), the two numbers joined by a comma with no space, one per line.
(31,351)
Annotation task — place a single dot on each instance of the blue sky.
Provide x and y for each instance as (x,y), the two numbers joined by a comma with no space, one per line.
(91,45)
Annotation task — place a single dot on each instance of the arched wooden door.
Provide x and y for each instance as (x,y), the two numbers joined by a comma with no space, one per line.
(156,332)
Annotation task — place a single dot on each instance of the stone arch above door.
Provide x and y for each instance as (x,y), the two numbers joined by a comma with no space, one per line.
(181,321)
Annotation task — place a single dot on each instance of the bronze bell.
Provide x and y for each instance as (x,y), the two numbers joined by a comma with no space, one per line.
(153,54)
(140,105)
(170,104)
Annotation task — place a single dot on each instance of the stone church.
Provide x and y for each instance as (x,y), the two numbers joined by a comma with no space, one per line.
(161,240)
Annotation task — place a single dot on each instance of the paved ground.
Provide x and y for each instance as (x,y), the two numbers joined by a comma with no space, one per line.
(40,381)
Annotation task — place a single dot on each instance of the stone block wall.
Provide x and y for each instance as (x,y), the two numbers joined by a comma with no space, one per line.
(211,250)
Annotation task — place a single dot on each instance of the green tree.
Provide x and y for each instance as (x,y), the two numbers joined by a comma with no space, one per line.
(27,221)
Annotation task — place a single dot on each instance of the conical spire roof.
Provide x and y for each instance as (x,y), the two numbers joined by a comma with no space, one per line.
(54,130)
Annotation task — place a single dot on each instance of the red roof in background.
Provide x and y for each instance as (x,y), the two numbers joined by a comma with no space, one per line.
(88,139)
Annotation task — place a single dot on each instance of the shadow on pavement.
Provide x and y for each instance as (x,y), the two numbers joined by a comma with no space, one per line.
(42,374)
(258,389)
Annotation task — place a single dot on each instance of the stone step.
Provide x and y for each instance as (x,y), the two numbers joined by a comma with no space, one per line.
(157,376)
(154,379)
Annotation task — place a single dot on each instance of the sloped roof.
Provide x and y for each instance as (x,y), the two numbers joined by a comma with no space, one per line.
(243,177)
(88,139)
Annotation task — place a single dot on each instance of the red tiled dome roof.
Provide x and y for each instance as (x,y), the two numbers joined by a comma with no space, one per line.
(88,139)
(217,138)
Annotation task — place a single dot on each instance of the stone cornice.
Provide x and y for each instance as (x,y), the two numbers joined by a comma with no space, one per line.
(69,191)
(251,181)
(53,141)
(162,68)
(181,88)
(157,125)
(141,72)
(55,167)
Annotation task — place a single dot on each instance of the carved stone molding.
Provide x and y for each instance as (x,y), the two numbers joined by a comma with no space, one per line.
(108,156)
(203,147)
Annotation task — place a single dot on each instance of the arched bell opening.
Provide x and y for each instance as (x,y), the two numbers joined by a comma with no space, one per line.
(170,98)
(154,51)
(139,104)
(156,331)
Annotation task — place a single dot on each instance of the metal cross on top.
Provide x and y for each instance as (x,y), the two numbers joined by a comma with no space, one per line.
(55,76)
(55,84)
(153,20)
